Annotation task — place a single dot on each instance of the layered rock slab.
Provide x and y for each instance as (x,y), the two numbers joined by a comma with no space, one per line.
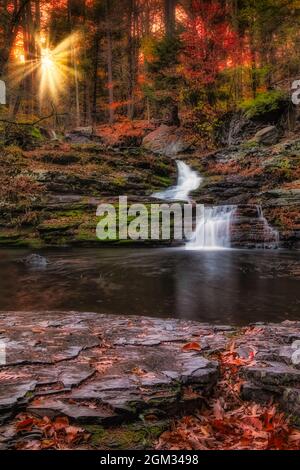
(100,369)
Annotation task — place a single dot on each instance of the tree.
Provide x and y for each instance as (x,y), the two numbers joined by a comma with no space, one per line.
(170,8)
(209,42)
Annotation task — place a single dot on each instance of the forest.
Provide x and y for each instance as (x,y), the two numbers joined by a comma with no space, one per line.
(149,340)
(189,61)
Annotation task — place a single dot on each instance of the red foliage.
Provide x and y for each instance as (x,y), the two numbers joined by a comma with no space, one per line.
(228,423)
(209,42)
(57,434)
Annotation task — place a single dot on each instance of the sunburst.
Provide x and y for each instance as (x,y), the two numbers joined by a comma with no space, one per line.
(53,67)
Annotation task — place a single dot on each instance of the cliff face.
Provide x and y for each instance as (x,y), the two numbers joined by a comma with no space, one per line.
(49,195)
(254,174)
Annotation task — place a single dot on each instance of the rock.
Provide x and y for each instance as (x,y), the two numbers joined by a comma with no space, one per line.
(60,159)
(250,229)
(281,197)
(80,135)
(276,373)
(35,261)
(105,370)
(267,136)
(166,140)
(48,133)
(100,379)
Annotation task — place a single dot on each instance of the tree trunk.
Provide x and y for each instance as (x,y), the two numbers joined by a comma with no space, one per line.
(109,66)
(73,61)
(95,75)
(132,55)
(170,17)
(170,8)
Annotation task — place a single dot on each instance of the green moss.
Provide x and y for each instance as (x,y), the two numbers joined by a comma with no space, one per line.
(22,135)
(250,145)
(119,181)
(282,168)
(19,240)
(264,103)
(161,180)
(131,436)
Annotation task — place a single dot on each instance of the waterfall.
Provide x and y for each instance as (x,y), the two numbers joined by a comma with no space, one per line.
(213,229)
(221,227)
(271,236)
(188,181)
(240,226)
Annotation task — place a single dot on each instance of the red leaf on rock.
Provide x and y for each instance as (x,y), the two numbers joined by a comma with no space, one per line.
(61,423)
(191,347)
(25,425)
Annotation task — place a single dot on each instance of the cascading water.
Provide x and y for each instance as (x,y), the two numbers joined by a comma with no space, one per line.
(188,181)
(221,227)
(271,236)
(224,227)
(213,230)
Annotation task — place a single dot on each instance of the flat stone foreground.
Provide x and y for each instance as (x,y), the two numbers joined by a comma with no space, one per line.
(105,370)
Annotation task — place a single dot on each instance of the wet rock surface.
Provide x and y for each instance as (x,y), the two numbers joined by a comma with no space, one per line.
(104,371)
(98,369)
(75,177)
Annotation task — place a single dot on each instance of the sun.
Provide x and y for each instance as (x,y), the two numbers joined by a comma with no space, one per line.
(54,66)
(47,61)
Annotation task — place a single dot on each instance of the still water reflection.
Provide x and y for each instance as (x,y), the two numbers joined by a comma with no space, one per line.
(236,287)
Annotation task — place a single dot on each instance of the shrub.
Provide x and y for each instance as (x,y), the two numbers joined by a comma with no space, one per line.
(267,103)
(24,136)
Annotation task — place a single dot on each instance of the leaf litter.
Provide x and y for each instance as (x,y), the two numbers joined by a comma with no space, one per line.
(227,422)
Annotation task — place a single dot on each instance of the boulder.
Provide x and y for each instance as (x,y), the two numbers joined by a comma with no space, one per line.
(167,140)
(48,133)
(35,261)
(80,135)
(267,136)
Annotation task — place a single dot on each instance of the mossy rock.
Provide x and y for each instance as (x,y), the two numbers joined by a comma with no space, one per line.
(57,225)
(136,436)
(266,106)
(23,135)
(61,159)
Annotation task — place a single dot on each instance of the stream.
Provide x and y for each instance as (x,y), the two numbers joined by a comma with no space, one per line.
(223,287)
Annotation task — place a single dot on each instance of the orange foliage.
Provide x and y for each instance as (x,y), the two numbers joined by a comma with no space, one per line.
(230,424)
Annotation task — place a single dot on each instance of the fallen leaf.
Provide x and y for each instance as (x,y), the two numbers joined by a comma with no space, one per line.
(25,425)
(191,347)
(61,423)
(138,371)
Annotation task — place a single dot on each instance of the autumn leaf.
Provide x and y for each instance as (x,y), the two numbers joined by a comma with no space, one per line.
(138,371)
(25,425)
(218,410)
(73,433)
(48,444)
(191,347)
(61,423)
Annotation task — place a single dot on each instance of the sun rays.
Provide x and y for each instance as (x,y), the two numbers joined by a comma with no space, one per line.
(51,67)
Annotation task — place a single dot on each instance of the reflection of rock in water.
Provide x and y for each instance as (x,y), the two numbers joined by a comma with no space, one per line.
(107,285)
(35,261)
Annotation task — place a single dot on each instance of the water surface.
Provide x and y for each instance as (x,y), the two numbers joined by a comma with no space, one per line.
(225,287)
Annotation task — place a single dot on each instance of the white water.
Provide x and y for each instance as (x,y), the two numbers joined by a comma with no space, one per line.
(271,235)
(213,230)
(188,181)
